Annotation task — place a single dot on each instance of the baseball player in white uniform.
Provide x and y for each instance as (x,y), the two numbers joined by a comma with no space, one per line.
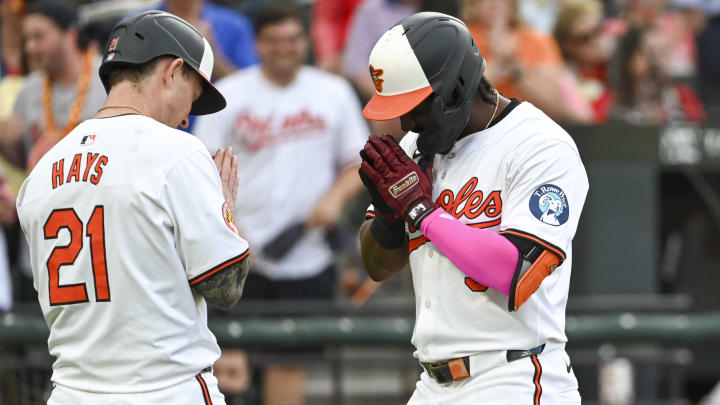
(129,227)
(482,198)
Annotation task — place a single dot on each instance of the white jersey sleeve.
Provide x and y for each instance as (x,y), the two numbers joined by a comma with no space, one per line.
(546,186)
(352,131)
(205,237)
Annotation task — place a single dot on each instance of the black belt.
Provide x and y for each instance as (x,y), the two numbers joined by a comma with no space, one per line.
(459,369)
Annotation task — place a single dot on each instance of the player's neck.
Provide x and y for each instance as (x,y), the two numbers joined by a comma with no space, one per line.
(483,113)
(124,95)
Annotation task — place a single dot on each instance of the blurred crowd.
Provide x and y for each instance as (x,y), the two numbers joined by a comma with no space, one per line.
(302,84)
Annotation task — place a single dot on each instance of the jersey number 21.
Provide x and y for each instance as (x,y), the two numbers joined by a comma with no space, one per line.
(65,255)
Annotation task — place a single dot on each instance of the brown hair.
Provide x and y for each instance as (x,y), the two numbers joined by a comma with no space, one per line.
(135,74)
(570,11)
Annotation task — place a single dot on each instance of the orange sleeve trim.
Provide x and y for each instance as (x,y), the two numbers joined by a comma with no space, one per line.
(219,267)
(533,277)
(421,240)
(370,215)
(547,245)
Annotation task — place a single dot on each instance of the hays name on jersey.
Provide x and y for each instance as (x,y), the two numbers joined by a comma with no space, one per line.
(88,169)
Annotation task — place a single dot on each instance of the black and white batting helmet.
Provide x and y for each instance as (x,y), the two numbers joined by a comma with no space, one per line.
(143,37)
(422,55)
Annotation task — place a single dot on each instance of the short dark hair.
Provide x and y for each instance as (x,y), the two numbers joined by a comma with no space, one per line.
(275,13)
(137,73)
(63,14)
(486,92)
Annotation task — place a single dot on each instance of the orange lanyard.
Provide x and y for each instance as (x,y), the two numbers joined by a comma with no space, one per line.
(77,105)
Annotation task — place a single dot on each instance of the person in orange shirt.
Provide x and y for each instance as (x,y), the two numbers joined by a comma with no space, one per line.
(522,63)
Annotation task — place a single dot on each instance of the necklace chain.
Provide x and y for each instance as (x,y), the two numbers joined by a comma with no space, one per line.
(497,101)
(107,107)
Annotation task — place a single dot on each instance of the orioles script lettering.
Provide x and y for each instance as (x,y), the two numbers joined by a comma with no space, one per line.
(470,202)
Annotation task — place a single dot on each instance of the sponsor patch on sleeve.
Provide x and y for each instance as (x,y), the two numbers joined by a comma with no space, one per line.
(549,204)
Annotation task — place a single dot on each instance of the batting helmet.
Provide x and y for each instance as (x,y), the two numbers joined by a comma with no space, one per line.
(143,37)
(426,53)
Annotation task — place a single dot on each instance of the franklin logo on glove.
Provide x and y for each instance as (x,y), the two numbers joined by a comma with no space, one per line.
(402,186)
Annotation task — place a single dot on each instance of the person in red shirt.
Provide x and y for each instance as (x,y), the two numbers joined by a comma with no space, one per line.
(331,19)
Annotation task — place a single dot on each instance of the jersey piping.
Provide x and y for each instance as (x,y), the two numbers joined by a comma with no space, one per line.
(224,265)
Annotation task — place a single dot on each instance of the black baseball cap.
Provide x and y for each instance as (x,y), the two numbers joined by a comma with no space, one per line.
(143,37)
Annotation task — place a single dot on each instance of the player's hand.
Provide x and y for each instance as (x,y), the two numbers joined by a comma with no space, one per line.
(227,165)
(382,209)
(399,181)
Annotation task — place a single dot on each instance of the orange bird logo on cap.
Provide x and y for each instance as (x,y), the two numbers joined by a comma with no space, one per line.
(113,44)
(375,74)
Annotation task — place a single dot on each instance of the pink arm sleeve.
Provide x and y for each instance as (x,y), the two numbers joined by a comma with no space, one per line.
(484,256)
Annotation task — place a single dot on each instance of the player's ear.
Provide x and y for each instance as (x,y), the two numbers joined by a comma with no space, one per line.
(172,71)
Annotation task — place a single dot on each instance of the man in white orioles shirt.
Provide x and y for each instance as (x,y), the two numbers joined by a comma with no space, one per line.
(482,198)
(296,130)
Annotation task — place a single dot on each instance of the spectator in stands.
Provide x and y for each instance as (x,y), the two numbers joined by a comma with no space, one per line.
(11,83)
(62,92)
(330,23)
(11,45)
(585,49)
(642,91)
(372,18)
(540,14)
(522,63)
(229,33)
(709,62)
(674,30)
(296,130)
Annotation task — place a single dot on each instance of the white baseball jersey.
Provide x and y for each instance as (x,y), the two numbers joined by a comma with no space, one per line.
(522,175)
(122,217)
(291,143)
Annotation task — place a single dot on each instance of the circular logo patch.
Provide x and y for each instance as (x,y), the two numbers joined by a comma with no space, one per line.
(549,204)
(228,217)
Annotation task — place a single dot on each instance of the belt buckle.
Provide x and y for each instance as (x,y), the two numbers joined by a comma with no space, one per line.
(449,370)
(432,370)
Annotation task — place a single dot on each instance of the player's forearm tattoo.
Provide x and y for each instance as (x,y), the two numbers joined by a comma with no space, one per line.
(225,288)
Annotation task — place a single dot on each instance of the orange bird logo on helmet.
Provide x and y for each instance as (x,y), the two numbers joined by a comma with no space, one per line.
(375,74)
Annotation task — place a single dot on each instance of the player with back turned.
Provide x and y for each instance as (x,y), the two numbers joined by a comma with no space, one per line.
(129,227)
(482,198)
